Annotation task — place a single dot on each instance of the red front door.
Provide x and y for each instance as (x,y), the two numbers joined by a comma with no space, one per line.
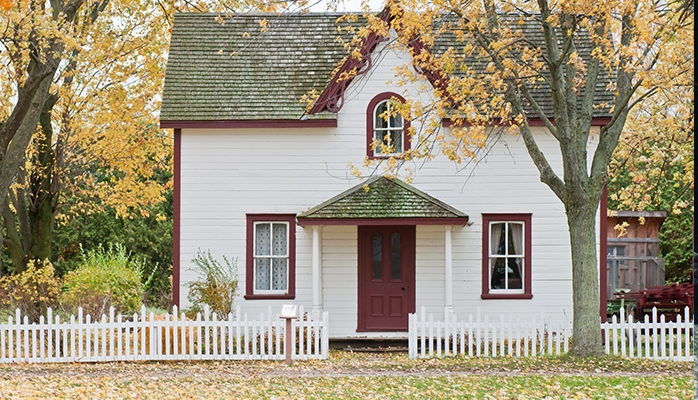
(386,277)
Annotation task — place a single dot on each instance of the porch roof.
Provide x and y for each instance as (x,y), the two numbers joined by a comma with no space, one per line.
(381,201)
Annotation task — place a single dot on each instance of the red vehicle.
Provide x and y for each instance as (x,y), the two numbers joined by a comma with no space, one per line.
(670,300)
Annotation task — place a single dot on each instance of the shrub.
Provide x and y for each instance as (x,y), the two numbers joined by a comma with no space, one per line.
(32,291)
(217,286)
(105,278)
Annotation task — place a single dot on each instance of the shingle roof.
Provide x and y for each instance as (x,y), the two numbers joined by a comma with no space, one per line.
(234,71)
(385,198)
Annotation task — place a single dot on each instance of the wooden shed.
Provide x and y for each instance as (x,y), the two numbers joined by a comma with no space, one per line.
(633,261)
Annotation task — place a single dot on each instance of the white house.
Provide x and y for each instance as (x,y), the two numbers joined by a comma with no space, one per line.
(260,178)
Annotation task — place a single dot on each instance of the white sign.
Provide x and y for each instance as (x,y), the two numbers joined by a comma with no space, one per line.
(289,311)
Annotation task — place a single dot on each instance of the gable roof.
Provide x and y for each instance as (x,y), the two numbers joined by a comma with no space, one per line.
(385,199)
(229,69)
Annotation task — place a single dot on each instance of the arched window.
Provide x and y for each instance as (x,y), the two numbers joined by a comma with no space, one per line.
(386,130)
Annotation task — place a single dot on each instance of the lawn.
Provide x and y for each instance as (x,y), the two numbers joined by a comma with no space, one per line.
(355,376)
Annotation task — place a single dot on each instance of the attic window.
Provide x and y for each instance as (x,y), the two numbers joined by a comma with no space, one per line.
(386,130)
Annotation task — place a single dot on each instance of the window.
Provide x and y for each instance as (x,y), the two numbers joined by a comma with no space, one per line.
(271,256)
(386,130)
(506,256)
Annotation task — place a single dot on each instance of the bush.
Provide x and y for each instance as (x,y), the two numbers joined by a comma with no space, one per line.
(217,286)
(32,291)
(104,279)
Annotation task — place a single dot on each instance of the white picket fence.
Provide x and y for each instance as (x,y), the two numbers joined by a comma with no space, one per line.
(480,336)
(653,338)
(167,337)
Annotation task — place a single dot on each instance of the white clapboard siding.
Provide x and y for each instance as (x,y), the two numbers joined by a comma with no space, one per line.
(654,337)
(170,337)
(508,336)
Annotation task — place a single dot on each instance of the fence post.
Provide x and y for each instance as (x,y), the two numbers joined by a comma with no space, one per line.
(289,312)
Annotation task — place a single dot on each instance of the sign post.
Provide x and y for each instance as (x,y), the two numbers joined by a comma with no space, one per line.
(288,312)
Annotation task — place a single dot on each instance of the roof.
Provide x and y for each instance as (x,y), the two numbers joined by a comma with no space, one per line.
(381,198)
(231,69)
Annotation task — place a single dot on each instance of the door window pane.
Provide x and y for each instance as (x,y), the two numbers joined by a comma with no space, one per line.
(377,256)
(395,260)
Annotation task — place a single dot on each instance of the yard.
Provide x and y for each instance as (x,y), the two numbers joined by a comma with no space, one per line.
(355,375)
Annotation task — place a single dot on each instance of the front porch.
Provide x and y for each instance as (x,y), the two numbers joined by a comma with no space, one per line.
(373,227)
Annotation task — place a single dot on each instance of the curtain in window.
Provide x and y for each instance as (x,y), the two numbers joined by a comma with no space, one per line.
(497,263)
(516,249)
(262,273)
(271,256)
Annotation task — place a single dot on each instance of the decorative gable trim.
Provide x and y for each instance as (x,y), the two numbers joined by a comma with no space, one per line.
(332,98)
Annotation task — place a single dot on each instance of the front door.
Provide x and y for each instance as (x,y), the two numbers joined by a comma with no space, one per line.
(386,277)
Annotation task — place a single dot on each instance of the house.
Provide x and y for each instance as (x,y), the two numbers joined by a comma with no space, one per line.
(261,178)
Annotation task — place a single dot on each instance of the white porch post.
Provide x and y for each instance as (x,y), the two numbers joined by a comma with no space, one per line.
(448,271)
(317,272)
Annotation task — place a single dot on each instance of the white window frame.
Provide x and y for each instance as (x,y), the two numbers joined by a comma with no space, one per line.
(506,256)
(271,257)
(378,139)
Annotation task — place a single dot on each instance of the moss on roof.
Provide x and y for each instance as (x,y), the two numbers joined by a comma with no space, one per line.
(385,198)
(228,68)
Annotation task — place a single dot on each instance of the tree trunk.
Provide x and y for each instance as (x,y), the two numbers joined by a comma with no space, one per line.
(585,281)
(41,196)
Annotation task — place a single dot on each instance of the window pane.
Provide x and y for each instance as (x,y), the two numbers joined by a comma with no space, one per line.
(497,274)
(497,239)
(280,241)
(262,240)
(262,273)
(514,277)
(396,121)
(395,260)
(380,113)
(515,239)
(280,274)
(396,141)
(377,256)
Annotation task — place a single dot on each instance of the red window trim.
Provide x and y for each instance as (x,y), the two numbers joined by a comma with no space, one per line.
(249,254)
(369,124)
(486,219)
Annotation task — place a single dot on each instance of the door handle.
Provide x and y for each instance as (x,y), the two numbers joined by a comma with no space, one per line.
(403,288)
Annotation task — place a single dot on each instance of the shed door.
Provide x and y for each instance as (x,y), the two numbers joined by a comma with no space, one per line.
(386,277)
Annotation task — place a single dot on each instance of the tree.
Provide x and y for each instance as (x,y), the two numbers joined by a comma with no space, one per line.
(99,111)
(83,80)
(639,46)
(652,169)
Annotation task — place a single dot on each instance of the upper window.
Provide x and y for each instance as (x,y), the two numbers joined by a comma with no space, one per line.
(386,130)
(271,253)
(506,256)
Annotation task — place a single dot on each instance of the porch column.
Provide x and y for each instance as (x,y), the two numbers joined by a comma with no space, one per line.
(317,271)
(448,271)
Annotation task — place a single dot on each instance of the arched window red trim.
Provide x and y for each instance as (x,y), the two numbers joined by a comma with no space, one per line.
(370,128)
